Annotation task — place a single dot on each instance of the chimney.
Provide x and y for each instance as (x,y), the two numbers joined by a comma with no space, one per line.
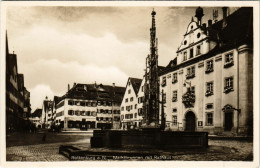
(114,85)
(224,23)
(68,87)
(209,23)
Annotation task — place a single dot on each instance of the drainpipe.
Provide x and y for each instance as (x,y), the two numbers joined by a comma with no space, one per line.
(238,110)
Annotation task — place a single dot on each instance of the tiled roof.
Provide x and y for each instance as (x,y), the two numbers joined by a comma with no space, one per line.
(37,113)
(136,83)
(239,26)
(95,92)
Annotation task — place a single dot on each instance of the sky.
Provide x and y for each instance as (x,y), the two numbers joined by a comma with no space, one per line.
(57,46)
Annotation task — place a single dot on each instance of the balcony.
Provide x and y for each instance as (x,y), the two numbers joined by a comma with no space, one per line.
(228,89)
(228,64)
(209,93)
(189,76)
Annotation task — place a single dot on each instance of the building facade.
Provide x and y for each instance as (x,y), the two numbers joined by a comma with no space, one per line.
(89,106)
(131,106)
(35,118)
(17,97)
(47,113)
(209,85)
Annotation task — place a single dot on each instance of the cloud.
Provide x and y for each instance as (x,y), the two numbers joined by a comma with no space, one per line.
(38,94)
(60,45)
(51,77)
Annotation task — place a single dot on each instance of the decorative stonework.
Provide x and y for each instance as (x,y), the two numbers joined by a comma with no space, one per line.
(188,99)
(228,107)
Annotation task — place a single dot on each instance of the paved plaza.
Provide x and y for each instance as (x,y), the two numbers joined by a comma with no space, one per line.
(30,147)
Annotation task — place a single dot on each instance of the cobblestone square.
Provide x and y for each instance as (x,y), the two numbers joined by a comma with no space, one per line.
(34,149)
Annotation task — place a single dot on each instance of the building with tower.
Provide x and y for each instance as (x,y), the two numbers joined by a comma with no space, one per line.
(209,84)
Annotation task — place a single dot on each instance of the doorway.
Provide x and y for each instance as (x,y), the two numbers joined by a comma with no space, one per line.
(228,121)
(190,121)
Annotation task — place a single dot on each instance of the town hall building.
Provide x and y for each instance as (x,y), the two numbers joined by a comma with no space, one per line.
(209,84)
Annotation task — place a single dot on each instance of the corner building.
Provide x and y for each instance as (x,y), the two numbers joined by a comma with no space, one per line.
(209,85)
(89,106)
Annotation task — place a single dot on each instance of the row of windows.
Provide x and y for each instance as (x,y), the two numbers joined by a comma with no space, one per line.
(191,53)
(209,68)
(82,113)
(209,89)
(129,116)
(131,99)
(82,103)
(108,111)
(104,119)
(128,108)
(90,104)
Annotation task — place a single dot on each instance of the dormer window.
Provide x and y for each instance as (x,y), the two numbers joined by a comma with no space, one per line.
(185,56)
(190,72)
(229,60)
(185,42)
